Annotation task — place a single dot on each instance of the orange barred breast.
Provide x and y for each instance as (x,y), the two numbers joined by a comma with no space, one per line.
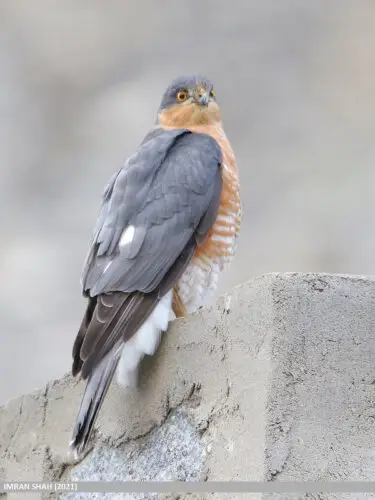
(220,240)
(199,281)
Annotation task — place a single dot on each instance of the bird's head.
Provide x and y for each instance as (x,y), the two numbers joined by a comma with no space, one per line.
(189,101)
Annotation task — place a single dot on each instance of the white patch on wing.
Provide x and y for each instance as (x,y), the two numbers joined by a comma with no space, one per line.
(145,341)
(127,236)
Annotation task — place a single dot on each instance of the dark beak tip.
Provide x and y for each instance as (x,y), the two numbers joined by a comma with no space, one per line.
(204,100)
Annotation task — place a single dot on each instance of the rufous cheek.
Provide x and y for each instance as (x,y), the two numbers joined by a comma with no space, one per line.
(185,115)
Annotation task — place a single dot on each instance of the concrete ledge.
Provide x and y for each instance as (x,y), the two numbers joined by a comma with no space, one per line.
(275,381)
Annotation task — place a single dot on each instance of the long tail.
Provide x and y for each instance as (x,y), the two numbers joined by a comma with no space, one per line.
(95,391)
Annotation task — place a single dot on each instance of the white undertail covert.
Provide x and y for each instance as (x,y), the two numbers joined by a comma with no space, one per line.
(145,341)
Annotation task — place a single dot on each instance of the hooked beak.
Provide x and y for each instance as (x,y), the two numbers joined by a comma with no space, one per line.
(203,99)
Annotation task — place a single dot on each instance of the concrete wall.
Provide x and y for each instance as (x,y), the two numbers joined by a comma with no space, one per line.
(275,381)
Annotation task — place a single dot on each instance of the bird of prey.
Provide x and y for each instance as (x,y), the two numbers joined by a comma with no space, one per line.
(167,227)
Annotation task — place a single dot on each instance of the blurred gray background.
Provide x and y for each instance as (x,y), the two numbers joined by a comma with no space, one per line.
(80,82)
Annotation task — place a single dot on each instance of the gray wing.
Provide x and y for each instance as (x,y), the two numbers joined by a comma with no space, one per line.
(151,208)
(155,211)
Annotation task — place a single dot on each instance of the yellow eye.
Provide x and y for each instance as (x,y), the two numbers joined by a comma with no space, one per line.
(182,95)
(212,94)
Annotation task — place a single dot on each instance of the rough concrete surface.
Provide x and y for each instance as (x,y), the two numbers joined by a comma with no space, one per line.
(275,381)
